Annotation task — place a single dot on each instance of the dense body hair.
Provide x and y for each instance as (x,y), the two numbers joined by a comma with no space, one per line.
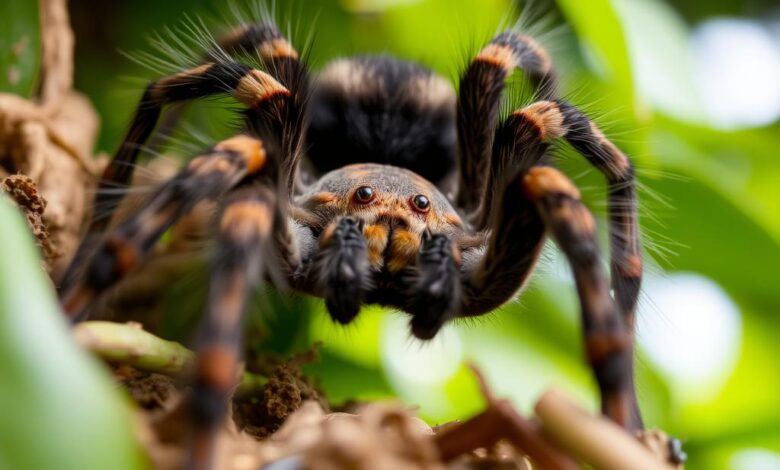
(379,109)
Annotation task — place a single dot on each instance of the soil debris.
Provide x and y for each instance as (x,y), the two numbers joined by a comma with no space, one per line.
(24,192)
(261,414)
(149,390)
(379,436)
(282,422)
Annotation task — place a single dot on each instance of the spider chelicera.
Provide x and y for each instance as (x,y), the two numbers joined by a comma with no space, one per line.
(373,181)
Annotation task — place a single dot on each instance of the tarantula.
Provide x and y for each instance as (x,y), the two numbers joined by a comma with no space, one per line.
(375,182)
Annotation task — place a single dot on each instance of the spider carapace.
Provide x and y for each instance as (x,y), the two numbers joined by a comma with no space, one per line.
(374,181)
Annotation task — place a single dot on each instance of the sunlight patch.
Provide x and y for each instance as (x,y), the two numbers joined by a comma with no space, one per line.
(692,330)
(737,64)
(422,362)
(418,371)
(753,459)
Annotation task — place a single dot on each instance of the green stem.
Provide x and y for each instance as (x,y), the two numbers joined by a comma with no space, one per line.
(129,344)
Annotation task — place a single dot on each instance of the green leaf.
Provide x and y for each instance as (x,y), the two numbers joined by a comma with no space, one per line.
(601,34)
(442,34)
(741,165)
(357,343)
(747,408)
(712,227)
(60,408)
(344,380)
(20,46)
(745,415)
(661,62)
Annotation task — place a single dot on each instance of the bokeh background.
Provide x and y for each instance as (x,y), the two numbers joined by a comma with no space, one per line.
(690,89)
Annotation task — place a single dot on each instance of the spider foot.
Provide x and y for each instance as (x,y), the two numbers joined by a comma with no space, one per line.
(436,289)
(344,269)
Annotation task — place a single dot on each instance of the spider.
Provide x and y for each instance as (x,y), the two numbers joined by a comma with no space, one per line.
(374,181)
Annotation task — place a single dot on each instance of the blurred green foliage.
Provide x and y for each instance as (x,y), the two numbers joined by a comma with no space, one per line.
(710,201)
(20,47)
(60,408)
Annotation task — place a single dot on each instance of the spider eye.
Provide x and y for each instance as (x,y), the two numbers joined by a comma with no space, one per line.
(421,203)
(364,195)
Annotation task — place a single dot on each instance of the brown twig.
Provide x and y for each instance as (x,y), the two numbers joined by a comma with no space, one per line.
(57,61)
(500,421)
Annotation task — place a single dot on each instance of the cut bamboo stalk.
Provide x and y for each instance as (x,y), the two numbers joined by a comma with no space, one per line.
(592,439)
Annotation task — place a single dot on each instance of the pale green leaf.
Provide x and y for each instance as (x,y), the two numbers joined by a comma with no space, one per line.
(59,408)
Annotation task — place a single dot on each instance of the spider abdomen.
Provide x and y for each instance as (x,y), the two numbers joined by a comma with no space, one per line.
(380,109)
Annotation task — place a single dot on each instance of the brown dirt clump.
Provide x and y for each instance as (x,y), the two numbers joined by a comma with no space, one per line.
(261,413)
(24,192)
(149,390)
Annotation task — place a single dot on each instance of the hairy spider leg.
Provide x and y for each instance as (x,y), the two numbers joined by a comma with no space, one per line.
(493,275)
(256,240)
(481,89)
(265,97)
(625,243)
(282,61)
(551,120)
(521,142)
(206,176)
(608,340)
(243,255)
(516,230)
(262,39)
(265,40)
(547,121)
